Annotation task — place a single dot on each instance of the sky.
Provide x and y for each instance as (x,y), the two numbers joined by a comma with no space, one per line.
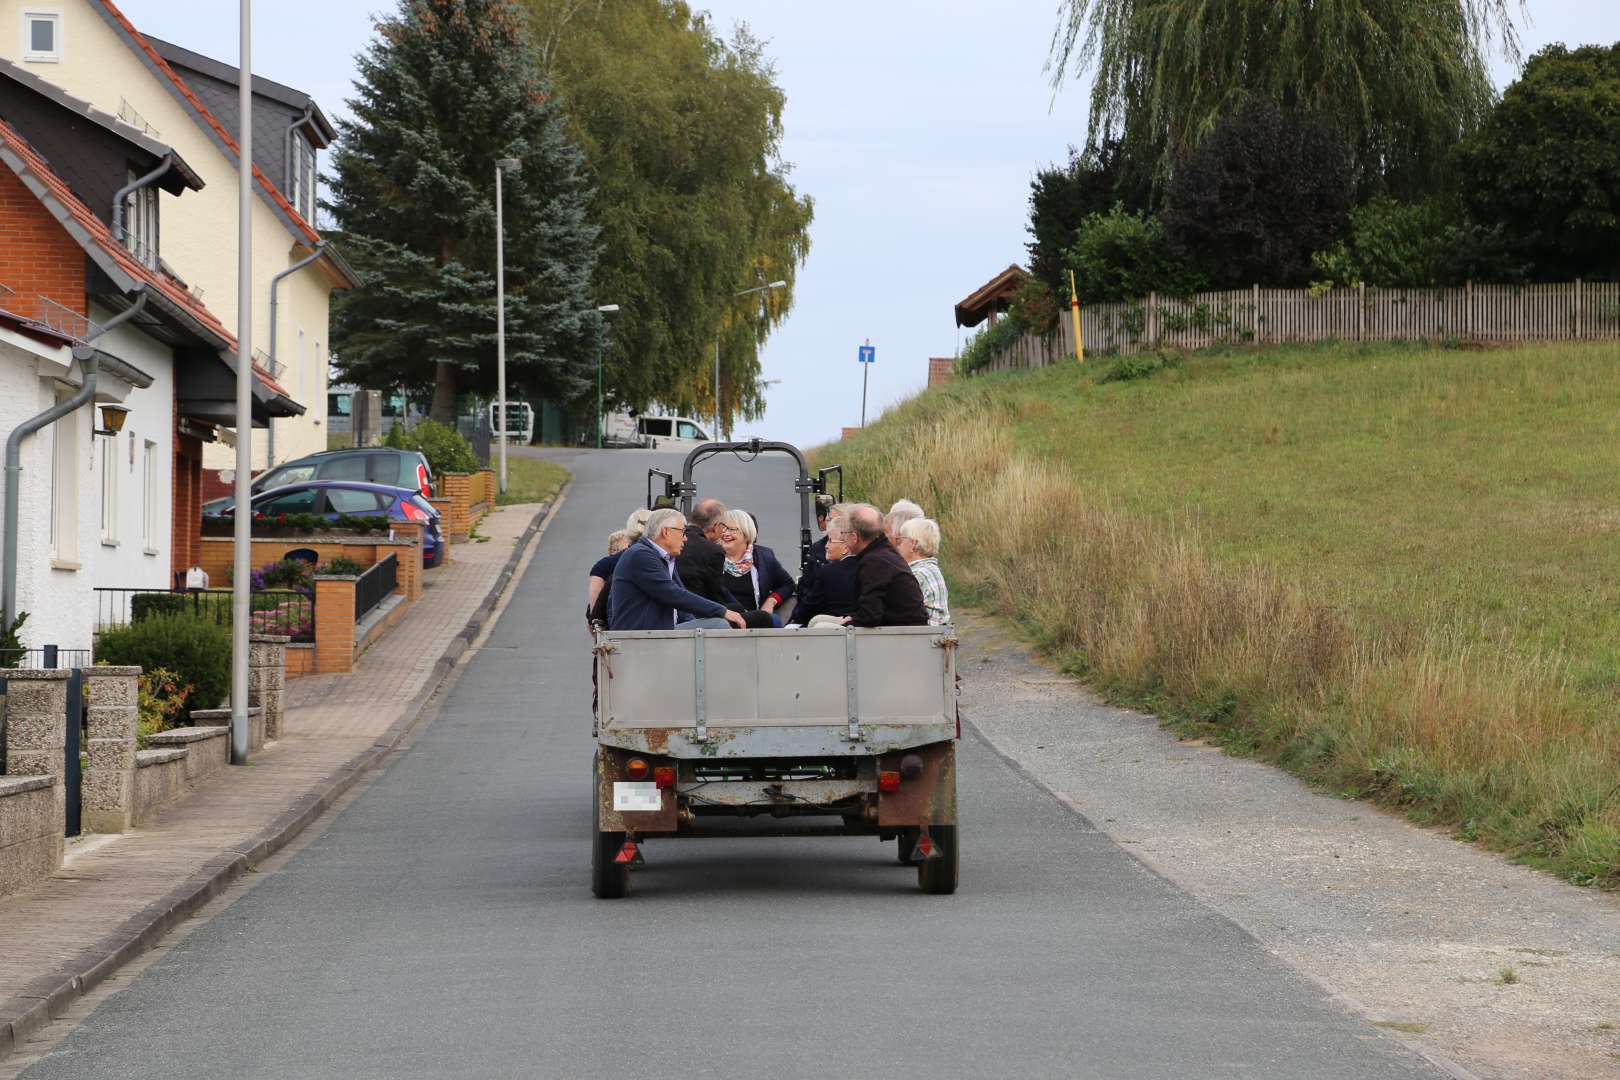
(915,125)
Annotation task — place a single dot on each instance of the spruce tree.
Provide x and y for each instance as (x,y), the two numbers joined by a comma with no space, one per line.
(447,88)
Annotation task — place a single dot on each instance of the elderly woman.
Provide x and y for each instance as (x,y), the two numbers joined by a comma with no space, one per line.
(755,580)
(836,591)
(600,583)
(919,546)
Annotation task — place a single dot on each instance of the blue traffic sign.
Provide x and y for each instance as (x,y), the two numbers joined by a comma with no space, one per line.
(868,354)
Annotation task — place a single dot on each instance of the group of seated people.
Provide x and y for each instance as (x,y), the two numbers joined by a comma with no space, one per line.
(870,569)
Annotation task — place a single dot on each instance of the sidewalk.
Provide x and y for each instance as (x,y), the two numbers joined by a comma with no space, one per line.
(116,896)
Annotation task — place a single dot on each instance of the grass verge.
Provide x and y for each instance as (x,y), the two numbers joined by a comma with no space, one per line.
(529,480)
(1390,569)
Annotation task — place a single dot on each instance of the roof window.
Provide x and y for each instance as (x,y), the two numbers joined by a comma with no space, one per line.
(42,37)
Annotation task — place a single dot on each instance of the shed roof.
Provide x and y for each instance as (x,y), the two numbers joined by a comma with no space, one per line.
(993,295)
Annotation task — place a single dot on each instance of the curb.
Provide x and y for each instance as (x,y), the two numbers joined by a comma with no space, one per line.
(47,997)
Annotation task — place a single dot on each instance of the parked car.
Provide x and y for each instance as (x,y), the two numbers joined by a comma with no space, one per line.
(372,465)
(335,498)
(652,432)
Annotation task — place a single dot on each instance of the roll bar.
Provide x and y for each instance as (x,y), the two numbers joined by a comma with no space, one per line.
(685,489)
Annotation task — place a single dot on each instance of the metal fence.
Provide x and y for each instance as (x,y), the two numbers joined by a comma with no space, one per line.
(476,430)
(375,585)
(46,656)
(273,611)
(1561,311)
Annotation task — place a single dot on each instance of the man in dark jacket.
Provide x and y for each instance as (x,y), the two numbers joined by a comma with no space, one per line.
(647,590)
(818,555)
(889,593)
(702,564)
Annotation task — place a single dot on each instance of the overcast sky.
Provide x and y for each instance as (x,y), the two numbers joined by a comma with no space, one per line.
(916,126)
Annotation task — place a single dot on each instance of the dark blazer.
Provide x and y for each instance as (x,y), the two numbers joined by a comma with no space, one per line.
(835,592)
(773,580)
(889,593)
(702,566)
(807,581)
(645,597)
(603,568)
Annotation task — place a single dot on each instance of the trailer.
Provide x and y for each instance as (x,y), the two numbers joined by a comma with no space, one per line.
(709,734)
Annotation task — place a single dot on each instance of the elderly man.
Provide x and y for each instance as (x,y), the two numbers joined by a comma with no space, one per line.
(647,593)
(888,591)
(701,564)
(902,511)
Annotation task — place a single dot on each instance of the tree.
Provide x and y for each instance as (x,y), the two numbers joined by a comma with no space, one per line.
(1268,188)
(1125,256)
(682,132)
(1062,196)
(1546,166)
(446,89)
(1399,80)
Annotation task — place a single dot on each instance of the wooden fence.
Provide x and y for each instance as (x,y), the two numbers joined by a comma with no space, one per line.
(1502,313)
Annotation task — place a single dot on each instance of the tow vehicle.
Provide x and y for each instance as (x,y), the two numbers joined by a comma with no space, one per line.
(724,733)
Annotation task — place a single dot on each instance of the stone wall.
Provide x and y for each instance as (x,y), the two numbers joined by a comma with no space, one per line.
(33,803)
(108,801)
(160,779)
(208,749)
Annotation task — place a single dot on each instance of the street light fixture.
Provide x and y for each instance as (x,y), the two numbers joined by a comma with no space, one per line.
(745,292)
(601,347)
(513,166)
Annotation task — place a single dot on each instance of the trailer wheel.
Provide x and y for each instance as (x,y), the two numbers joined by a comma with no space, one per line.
(905,843)
(609,880)
(938,876)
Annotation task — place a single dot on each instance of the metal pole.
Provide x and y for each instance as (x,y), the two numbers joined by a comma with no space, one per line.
(865,370)
(599,350)
(716,388)
(500,323)
(242,567)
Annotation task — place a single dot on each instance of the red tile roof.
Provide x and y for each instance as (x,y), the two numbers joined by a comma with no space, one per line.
(210,119)
(101,236)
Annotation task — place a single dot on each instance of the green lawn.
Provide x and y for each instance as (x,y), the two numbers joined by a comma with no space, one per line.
(529,480)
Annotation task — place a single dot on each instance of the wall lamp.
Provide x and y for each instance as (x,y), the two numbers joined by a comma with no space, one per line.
(112,418)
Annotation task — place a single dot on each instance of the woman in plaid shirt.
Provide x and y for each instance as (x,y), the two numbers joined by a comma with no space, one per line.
(919,546)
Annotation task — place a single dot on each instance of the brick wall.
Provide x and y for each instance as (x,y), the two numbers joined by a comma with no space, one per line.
(186,530)
(940,369)
(850,431)
(37,257)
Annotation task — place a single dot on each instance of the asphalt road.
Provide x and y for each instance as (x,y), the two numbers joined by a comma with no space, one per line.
(443,925)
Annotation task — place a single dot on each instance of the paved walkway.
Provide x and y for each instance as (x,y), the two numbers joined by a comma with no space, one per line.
(117,894)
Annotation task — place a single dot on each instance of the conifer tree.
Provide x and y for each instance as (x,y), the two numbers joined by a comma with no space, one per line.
(447,88)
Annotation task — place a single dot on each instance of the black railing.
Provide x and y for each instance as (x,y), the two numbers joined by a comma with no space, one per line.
(274,611)
(47,656)
(375,585)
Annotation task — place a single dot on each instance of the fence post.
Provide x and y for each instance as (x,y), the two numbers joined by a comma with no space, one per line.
(1468,309)
(1577,308)
(1257,335)
(1361,311)
(109,782)
(1152,321)
(267,673)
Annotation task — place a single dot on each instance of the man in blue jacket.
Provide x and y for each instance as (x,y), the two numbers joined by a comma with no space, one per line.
(647,592)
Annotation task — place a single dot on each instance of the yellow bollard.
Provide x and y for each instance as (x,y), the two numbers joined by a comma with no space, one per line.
(1074,310)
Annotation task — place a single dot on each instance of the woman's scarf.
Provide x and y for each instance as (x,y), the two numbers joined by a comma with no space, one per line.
(743,565)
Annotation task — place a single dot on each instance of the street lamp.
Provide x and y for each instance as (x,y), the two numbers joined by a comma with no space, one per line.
(601,347)
(745,292)
(513,166)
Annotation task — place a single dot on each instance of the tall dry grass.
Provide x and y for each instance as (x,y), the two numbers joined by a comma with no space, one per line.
(1413,713)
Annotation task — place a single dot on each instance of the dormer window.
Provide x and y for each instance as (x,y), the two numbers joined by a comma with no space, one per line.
(302,185)
(141,224)
(42,37)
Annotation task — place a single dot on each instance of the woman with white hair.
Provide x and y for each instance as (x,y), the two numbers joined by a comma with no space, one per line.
(600,582)
(902,511)
(919,546)
(755,580)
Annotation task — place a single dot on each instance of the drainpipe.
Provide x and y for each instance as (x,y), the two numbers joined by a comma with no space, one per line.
(275,284)
(135,185)
(86,357)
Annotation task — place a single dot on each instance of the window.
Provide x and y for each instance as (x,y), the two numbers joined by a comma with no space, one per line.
(149,498)
(650,426)
(688,430)
(141,223)
(287,474)
(347,467)
(301,501)
(349,501)
(65,486)
(109,489)
(42,37)
(301,177)
(338,404)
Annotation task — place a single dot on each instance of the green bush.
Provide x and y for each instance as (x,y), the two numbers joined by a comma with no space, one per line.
(342,566)
(1392,245)
(195,650)
(143,606)
(990,343)
(1137,366)
(444,447)
(1124,256)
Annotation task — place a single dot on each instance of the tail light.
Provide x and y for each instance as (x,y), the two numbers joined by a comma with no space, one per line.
(414,512)
(637,769)
(888,782)
(664,776)
(422,480)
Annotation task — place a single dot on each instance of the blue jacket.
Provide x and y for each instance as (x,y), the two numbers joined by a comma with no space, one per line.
(645,597)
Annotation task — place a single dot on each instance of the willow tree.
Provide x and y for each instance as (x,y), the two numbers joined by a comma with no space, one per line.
(1401,81)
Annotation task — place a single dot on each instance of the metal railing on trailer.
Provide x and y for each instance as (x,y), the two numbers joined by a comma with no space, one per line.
(375,585)
(275,611)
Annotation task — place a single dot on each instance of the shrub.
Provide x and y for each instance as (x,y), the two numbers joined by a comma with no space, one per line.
(989,343)
(340,566)
(444,447)
(291,575)
(145,605)
(1392,245)
(161,696)
(1035,308)
(196,651)
(11,646)
(1125,256)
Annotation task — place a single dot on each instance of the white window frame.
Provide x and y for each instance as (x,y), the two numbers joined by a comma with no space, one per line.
(302,180)
(64,535)
(109,490)
(141,223)
(29,17)
(149,499)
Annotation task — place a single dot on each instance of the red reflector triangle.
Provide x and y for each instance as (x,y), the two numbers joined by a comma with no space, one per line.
(626,853)
(925,845)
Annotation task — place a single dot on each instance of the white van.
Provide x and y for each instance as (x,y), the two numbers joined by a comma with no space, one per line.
(653,432)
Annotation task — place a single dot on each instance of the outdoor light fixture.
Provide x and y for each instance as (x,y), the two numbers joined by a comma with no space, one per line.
(112,418)
(503,166)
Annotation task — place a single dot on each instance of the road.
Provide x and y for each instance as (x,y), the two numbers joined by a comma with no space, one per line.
(443,924)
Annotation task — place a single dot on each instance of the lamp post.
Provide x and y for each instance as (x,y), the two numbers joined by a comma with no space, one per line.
(744,292)
(513,166)
(242,532)
(601,347)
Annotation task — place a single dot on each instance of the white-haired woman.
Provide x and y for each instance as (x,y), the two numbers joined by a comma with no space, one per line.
(919,546)
(755,580)
(600,583)
(902,511)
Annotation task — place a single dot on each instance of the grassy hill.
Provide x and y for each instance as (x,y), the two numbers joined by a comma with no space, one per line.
(1394,569)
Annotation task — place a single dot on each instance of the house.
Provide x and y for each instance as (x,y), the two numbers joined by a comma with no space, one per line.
(188,101)
(108,495)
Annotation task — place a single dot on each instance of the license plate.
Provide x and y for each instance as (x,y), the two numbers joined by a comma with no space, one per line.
(637,795)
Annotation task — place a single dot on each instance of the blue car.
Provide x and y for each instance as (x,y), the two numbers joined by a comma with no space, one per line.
(335,498)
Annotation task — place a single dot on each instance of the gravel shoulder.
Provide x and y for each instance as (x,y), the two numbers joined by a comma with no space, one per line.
(1501,969)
